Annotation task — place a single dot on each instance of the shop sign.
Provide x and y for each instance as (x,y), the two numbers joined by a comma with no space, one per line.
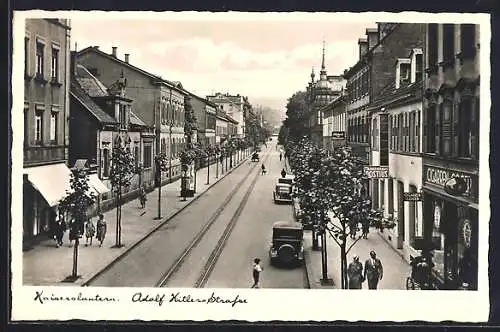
(412,197)
(376,172)
(338,135)
(453,182)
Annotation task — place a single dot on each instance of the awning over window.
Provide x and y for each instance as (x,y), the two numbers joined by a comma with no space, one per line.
(97,184)
(52,181)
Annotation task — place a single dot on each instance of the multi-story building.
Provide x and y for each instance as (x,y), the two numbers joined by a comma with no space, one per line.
(156,101)
(334,124)
(100,119)
(378,52)
(46,108)
(232,106)
(319,95)
(205,118)
(451,152)
(369,77)
(396,141)
(226,127)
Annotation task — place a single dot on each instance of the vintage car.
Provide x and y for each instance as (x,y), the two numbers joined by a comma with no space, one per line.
(282,192)
(255,156)
(286,246)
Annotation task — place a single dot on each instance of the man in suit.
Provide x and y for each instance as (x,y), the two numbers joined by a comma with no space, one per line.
(373,270)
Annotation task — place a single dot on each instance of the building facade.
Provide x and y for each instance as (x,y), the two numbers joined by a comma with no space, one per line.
(396,141)
(451,152)
(211,124)
(157,102)
(104,116)
(334,124)
(46,109)
(232,105)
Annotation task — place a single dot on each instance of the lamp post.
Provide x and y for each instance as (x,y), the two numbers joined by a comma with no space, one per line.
(158,184)
(209,152)
(170,151)
(216,163)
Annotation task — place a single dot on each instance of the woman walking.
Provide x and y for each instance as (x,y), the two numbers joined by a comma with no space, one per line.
(101,229)
(89,231)
(142,197)
(355,273)
(257,269)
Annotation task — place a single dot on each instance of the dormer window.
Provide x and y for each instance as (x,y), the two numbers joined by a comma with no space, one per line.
(417,65)
(403,72)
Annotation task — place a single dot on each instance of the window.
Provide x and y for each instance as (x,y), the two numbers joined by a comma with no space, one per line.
(446,111)
(26,55)
(53,127)
(38,127)
(147,155)
(432,127)
(465,131)
(404,74)
(432,35)
(412,135)
(26,136)
(417,132)
(54,68)
(137,156)
(448,44)
(105,163)
(419,67)
(123,116)
(468,40)
(39,59)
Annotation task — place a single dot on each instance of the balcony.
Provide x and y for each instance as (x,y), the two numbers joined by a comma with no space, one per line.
(43,154)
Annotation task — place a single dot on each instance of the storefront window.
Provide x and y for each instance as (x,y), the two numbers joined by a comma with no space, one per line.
(467,252)
(438,239)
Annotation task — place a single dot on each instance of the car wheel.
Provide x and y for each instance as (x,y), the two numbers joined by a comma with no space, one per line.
(286,253)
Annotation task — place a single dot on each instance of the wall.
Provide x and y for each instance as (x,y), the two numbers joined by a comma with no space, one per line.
(82,134)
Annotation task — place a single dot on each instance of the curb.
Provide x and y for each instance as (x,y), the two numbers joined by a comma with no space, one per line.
(306,262)
(85,281)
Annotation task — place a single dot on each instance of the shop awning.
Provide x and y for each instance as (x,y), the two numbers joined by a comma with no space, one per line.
(52,181)
(97,184)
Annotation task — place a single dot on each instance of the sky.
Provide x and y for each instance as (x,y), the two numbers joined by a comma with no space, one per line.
(265,59)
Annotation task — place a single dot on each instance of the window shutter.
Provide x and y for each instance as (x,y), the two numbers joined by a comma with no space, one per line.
(456,129)
(437,132)
(475,129)
(425,147)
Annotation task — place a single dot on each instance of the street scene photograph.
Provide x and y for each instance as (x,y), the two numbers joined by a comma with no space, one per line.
(251,154)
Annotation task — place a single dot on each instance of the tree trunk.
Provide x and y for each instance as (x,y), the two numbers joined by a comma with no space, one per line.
(208,170)
(342,265)
(120,223)
(117,214)
(74,273)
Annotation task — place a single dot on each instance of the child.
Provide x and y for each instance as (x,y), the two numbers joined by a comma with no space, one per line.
(89,231)
(257,269)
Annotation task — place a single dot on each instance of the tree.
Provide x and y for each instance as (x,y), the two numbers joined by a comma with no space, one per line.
(76,202)
(122,170)
(190,121)
(161,165)
(297,115)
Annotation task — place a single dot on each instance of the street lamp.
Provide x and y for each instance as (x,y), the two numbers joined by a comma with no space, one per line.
(170,151)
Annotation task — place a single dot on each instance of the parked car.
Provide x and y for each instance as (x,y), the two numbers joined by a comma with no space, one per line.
(255,156)
(287,247)
(282,192)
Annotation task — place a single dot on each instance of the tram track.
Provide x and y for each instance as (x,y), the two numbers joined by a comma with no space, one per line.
(222,240)
(144,241)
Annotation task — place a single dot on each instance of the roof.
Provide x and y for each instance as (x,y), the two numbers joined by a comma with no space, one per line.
(84,99)
(92,86)
(390,94)
(95,49)
(134,119)
(287,224)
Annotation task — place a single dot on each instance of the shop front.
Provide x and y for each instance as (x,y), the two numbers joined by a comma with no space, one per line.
(451,225)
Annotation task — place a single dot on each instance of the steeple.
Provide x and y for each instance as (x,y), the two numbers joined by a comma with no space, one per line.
(312,74)
(323,69)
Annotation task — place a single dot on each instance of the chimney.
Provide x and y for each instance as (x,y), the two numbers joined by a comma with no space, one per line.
(114,51)
(372,37)
(363,47)
(127,56)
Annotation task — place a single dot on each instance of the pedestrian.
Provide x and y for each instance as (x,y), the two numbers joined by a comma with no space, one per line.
(60,230)
(355,273)
(74,230)
(257,269)
(353,227)
(263,169)
(89,231)
(101,229)
(365,225)
(373,270)
(283,173)
(281,156)
(142,197)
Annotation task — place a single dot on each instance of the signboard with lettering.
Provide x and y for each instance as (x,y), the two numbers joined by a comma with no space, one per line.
(412,197)
(441,177)
(376,172)
(338,135)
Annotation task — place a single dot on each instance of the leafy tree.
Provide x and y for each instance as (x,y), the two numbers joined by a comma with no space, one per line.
(297,116)
(122,170)
(190,121)
(76,202)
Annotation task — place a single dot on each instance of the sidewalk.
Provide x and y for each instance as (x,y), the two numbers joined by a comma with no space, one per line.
(396,270)
(47,265)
